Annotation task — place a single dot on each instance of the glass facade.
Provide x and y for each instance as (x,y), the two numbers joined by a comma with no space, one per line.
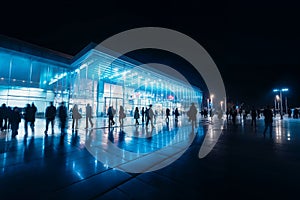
(26,78)
(97,78)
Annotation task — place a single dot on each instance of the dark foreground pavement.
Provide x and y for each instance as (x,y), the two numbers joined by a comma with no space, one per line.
(243,164)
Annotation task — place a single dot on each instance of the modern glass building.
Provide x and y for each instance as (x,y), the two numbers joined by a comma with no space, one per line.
(29,73)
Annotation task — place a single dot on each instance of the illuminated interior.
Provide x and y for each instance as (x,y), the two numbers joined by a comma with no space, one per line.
(97,78)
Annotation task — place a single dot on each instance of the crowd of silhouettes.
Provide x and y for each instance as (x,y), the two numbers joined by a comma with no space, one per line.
(10,118)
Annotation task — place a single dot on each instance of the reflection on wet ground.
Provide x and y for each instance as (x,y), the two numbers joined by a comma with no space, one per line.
(242,161)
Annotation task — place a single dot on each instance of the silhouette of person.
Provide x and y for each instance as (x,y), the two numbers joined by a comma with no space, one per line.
(9,113)
(289,113)
(150,116)
(15,121)
(33,110)
(227,115)
(253,116)
(258,113)
(146,114)
(192,114)
(240,112)
(234,115)
(167,114)
(27,117)
(136,115)
(205,113)
(88,116)
(1,118)
(176,113)
(143,115)
(295,113)
(268,120)
(4,113)
(62,115)
(50,117)
(75,116)
(122,115)
(111,112)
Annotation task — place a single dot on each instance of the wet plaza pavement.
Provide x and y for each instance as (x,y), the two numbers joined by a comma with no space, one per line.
(243,163)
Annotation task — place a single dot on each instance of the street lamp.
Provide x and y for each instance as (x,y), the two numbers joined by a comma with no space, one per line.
(277,98)
(280,96)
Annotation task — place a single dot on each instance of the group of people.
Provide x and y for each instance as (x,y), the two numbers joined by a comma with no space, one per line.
(76,115)
(147,114)
(12,117)
(255,114)
(295,113)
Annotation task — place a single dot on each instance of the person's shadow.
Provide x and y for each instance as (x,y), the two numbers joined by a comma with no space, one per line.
(111,135)
(75,138)
(121,136)
(28,149)
(149,133)
(136,132)
(48,146)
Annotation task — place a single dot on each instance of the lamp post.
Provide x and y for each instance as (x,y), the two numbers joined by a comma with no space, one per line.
(280,96)
(277,100)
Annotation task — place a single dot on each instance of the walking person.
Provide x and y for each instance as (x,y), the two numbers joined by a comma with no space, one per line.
(88,116)
(253,117)
(75,116)
(146,114)
(1,119)
(289,113)
(167,115)
(227,115)
(268,120)
(136,116)
(176,113)
(192,114)
(27,117)
(9,113)
(150,116)
(234,115)
(50,117)
(15,121)
(143,115)
(62,115)
(122,115)
(33,110)
(4,113)
(111,112)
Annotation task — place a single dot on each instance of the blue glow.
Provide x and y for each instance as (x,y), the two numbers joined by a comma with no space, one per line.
(43,80)
(282,90)
(58,77)
(83,66)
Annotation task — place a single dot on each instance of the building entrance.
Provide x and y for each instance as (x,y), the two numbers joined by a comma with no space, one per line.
(113,101)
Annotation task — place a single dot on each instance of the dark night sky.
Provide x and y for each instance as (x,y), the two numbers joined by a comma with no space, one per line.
(255,44)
